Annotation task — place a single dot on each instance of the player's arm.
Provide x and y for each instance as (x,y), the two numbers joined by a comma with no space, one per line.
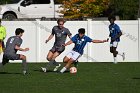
(69,34)
(68,43)
(99,41)
(21,49)
(49,38)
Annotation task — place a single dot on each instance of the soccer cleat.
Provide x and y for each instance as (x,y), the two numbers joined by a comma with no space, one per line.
(24,72)
(44,69)
(76,64)
(56,68)
(123,56)
(115,62)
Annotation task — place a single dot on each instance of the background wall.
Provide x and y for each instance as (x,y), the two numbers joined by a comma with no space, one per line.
(36,32)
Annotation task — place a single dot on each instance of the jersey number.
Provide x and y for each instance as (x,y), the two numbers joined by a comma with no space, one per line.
(12,39)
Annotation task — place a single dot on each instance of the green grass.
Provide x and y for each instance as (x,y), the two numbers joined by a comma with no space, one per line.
(91,78)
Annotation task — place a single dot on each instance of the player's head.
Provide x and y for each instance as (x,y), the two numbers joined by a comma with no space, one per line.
(81,32)
(19,32)
(112,19)
(61,22)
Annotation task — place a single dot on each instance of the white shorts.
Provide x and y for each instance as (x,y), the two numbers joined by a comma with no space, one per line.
(73,54)
(113,44)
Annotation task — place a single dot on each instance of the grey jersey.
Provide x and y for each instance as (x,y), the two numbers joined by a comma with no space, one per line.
(60,35)
(11,43)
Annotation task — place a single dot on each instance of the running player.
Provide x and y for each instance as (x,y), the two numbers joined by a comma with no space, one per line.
(115,34)
(61,34)
(80,40)
(12,46)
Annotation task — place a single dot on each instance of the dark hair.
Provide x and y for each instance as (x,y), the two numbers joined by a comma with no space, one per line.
(81,31)
(60,20)
(111,17)
(18,31)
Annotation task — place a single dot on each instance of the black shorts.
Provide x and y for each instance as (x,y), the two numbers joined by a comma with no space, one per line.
(11,57)
(3,46)
(57,49)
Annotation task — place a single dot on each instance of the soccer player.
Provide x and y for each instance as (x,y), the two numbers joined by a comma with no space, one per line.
(115,34)
(80,40)
(2,37)
(12,46)
(61,34)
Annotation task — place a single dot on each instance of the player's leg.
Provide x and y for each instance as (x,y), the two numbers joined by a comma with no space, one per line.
(68,56)
(75,56)
(49,58)
(59,50)
(66,59)
(57,65)
(67,65)
(115,54)
(4,61)
(24,63)
(113,47)
(113,51)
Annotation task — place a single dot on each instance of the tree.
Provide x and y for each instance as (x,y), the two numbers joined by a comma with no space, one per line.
(126,9)
(83,8)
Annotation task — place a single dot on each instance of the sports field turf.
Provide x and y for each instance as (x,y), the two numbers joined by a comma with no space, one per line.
(91,78)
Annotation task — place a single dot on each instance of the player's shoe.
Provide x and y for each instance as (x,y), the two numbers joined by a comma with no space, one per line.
(56,67)
(115,62)
(43,69)
(76,63)
(24,72)
(123,56)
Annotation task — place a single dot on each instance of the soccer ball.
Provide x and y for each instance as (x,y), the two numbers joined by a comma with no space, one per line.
(73,70)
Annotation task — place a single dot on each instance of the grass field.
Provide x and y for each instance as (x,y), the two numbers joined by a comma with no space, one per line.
(91,78)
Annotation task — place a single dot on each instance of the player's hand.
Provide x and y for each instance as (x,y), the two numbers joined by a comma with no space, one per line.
(106,40)
(46,41)
(26,49)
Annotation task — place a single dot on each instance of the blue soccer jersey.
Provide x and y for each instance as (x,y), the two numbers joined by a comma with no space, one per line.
(114,31)
(80,43)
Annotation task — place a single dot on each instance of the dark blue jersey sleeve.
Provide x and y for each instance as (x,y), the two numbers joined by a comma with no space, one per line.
(88,39)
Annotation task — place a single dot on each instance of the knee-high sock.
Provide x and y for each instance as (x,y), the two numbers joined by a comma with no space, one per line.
(56,63)
(50,63)
(24,65)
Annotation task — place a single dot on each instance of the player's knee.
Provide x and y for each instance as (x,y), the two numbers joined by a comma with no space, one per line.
(48,58)
(64,61)
(23,57)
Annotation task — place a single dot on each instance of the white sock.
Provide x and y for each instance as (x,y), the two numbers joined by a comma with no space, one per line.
(115,60)
(63,70)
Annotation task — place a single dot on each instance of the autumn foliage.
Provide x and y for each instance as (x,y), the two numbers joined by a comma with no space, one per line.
(83,8)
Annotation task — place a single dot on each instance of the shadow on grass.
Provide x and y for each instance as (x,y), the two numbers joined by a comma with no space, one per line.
(50,71)
(9,73)
(136,78)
